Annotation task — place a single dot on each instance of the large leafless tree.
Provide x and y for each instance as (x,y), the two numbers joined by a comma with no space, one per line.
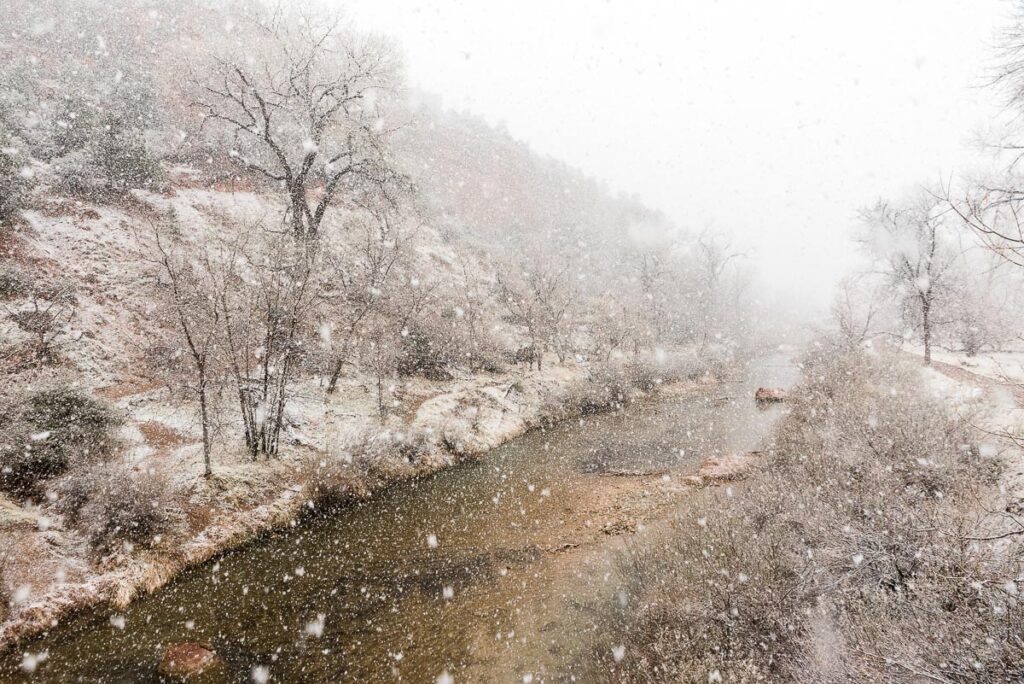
(303,105)
(915,246)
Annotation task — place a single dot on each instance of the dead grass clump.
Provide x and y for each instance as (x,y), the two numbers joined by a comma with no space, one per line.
(198,516)
(160,435)
(332,482)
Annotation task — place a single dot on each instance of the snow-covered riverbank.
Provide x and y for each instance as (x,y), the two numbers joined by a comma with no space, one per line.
(55,573)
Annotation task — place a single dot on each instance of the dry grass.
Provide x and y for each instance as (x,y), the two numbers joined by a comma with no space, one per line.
(161,436)
(114,505)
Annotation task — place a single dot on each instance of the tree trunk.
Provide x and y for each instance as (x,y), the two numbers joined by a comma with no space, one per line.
(339,364)
(298,201)
(926,325)
(335,375)
(205,418)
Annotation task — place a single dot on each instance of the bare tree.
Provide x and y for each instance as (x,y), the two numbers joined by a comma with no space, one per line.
(471,297)
(387,333)
(196,287)
(612,326)
(993,209)
(914,244)
(857,311)
(652,273)
(266,308)
(993,212)
(304,108)
(381,355)
(44,315)
(360,280)
(714,255)
(539,299)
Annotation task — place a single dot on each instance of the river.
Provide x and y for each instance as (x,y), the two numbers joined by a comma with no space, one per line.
(488,571)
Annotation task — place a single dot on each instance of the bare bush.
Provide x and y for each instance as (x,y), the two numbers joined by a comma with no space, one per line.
(114,504)
(644,376)
(331,481)
(14,282)
(370,458)
(427,351)
(864,530)
(44,311)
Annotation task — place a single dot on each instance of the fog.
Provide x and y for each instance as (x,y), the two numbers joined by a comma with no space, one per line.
(770,121)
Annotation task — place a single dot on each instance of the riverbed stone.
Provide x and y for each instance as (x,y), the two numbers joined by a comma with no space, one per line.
(770,395)
(188,661)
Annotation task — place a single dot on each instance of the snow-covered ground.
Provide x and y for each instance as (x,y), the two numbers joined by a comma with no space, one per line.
(1002,365)
(990,387)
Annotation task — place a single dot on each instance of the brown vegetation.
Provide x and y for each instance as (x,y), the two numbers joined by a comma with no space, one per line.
(862,549)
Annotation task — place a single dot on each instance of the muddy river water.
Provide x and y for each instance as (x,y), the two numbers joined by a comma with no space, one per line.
(487,572)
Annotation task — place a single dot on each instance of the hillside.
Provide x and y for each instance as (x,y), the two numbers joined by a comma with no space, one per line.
(195,352)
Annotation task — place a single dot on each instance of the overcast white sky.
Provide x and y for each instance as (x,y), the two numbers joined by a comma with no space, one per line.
(772,120)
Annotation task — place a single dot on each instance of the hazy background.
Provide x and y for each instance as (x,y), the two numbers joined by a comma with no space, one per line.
(772,121)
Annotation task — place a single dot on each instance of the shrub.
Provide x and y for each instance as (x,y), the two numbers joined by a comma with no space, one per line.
(14,282)
(701,598)
(860,531)
(427,352)
(100,148)
(389,453)
(14,185)
(331,481)
(125,161)
(643,376)
(607,386)
(50,432)
(113,504)
(481,355)
(108,167)
(5,589)
(373,456)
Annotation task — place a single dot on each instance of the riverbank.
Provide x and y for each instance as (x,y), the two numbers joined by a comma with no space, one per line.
(420,577)
(878,540)
(441,424)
